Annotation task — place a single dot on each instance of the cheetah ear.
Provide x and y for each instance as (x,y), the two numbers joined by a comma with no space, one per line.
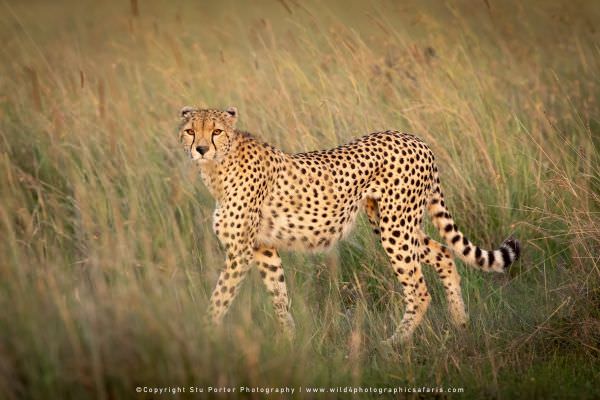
(233,112)
(186,112)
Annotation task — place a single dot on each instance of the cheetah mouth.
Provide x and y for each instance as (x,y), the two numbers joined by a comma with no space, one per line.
(196,157)
(200,160)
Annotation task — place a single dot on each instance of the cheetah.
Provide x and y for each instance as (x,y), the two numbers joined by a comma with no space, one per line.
(268,200)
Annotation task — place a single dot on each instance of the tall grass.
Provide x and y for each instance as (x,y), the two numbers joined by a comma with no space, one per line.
(107,254)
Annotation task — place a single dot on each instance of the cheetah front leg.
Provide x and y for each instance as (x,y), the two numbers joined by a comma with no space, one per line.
(271,272)
(238,239)
(237,265)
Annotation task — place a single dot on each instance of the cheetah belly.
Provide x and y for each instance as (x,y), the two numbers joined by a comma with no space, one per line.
(305,228)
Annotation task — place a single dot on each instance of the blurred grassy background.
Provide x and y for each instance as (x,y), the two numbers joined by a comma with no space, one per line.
(107,256)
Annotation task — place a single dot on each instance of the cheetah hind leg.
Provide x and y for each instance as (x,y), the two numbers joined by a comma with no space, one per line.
(400,242)
(440,258)
(403,255)
(372,212)
(268,263)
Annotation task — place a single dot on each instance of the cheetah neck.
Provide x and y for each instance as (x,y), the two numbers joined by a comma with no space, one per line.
(209,172)
(213,171)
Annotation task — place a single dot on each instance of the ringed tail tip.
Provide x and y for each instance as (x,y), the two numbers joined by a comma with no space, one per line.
(511,250)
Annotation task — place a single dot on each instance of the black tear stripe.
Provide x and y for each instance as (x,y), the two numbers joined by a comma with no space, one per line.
(192,145)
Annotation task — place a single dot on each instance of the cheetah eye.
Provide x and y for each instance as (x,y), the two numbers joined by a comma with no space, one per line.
(217,132)
(189,131)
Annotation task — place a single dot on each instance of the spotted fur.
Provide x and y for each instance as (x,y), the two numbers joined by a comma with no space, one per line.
(268,200)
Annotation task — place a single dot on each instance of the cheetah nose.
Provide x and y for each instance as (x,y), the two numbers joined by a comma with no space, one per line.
(202,149)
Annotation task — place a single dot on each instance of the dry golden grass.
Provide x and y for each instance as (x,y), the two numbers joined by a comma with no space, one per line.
(107,256)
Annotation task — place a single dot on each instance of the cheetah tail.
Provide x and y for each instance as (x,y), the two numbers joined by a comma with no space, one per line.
(488,260)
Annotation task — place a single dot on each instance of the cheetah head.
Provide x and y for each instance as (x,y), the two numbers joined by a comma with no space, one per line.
(206,134)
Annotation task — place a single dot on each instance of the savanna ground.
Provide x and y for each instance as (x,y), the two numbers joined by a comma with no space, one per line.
(107,254)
